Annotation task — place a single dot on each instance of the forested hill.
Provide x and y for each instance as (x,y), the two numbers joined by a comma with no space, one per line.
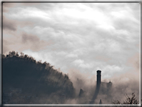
(26,80)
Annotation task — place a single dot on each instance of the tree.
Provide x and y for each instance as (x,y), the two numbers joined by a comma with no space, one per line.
(11,54)
(129,100)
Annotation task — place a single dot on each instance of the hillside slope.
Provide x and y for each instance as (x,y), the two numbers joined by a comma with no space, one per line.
(27,81)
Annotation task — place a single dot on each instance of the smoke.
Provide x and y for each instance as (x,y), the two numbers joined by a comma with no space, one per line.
(82,80)
(122,86)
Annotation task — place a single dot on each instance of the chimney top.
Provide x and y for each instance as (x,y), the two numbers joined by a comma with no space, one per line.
(98,70)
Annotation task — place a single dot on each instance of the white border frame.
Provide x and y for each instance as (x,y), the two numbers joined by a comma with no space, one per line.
(100,1)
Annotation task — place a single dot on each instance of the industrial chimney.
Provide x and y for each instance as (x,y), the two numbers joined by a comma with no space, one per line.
(98,79)
(97,86)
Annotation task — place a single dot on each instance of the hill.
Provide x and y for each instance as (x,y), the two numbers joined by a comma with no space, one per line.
(27,81)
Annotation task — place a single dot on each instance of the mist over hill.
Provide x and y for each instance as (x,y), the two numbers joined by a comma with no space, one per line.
(26,80)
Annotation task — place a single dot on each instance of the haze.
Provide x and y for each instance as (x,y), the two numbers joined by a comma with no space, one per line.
(77,38)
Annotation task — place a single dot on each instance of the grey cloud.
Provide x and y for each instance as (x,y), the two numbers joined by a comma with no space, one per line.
(11,22)
(42,6)
(88,53)
(6,6)
(29,38)
(33,42)
(125,24)
(24,41)
(71,35)
(8,24)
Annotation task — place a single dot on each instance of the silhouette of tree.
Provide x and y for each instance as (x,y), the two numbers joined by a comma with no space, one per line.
(129,100)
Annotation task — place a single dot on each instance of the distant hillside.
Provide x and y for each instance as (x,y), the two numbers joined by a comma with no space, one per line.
(26,80)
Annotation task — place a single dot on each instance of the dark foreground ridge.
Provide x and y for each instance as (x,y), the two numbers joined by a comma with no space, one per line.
(27,81)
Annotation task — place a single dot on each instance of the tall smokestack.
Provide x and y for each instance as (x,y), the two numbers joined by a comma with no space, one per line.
(97,86)
(98,79)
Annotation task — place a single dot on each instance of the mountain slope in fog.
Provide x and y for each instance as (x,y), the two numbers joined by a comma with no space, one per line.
(27,81)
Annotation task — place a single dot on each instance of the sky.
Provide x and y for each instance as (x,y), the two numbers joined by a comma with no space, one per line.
(77,38)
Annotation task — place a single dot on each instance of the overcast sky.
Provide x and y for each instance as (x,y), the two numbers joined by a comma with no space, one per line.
(77,37)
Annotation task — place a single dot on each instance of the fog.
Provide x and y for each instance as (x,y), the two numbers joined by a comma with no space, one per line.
(121,88)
